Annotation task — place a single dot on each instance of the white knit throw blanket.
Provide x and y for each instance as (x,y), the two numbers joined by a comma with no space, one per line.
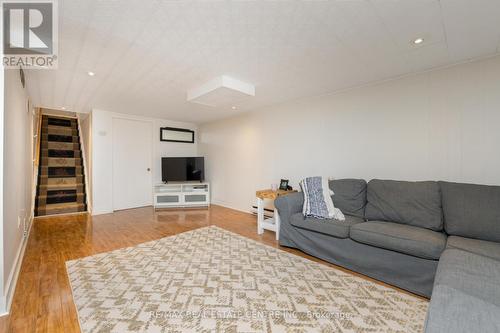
(318,202)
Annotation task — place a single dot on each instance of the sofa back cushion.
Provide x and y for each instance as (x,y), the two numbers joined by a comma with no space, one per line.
(349,196)
(471,210)
(412,203)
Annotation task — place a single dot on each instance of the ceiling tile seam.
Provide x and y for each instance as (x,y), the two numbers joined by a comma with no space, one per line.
(344,44)
(88,79)
(129,48)
(128,88)
(142,83)
(445,31)
(54,81)
(79,100)
(140,78)
(389,32)
(78,60)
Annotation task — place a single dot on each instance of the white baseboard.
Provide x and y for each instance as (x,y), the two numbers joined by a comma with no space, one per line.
(101,212)
(224,204)
(10,286)
(3,311)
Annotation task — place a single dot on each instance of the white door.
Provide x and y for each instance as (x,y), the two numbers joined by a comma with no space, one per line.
(132,148)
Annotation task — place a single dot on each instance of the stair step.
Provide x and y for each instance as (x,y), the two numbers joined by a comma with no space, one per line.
(61,161)
(58,175)
(60,180)
(61,208)
(59,122)
(54,172)
(59,138)
(64,153)
(43,188)
(61,198)
(71,153)
(67,129)
(63,205)
(54,117)
(60,145)
(51,195)
(59,130)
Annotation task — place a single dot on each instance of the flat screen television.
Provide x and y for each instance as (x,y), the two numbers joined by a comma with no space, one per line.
(182,169)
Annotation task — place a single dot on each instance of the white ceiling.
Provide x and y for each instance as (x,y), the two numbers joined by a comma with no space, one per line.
(147,54)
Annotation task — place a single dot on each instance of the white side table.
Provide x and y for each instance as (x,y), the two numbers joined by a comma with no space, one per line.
(273,223)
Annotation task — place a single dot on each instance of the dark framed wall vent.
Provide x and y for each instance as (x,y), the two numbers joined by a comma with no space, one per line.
(172,134)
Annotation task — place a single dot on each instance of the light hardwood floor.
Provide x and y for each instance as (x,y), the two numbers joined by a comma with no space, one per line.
(43,301)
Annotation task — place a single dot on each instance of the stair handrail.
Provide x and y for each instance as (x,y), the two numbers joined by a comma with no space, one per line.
(37,135)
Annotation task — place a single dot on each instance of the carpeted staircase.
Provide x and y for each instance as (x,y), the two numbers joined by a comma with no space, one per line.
(61,184)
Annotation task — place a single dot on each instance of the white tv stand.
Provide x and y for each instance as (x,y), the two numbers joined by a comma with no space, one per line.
(181,195)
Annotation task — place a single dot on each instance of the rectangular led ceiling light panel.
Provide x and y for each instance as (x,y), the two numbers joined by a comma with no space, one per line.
(221,91)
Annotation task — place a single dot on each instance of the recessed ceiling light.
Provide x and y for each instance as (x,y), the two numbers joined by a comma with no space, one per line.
(91,73)
(418,41)
(63,108)
(233,107)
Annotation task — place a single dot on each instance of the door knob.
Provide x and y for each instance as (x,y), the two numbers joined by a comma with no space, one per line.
(149,169)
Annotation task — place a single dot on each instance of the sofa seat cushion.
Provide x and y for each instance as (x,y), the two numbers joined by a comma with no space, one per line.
(335,228)
(483,248)
(415,241)
(413,203)
(471,210)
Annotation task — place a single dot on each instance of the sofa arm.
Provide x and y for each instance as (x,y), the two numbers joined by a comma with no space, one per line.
(290,204)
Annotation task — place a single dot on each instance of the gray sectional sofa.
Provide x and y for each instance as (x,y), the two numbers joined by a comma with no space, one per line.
(436,238)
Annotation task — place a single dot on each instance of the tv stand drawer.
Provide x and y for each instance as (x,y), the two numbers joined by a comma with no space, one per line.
(200,198)
(163,199)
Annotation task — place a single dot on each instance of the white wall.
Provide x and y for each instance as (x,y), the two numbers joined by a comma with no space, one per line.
(17,174)
(102,157)
(439,125)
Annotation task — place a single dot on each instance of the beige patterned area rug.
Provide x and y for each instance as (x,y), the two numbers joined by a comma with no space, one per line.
(211,279)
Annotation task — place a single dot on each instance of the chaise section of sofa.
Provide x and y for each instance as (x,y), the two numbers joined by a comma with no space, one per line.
(466,293)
